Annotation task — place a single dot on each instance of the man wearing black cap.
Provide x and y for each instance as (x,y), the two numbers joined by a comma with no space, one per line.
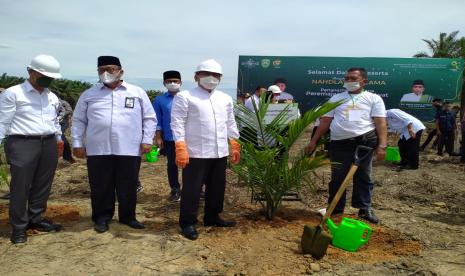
(417,96)
(117,122)
(283,96)
(164,136)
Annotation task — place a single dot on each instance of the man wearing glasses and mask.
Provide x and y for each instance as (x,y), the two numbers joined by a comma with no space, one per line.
(202,121)
(28,116)
(164,136)
(113,124)
(359,120)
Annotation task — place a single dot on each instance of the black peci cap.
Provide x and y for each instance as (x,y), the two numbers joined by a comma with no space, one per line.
(171,75)
(108,60)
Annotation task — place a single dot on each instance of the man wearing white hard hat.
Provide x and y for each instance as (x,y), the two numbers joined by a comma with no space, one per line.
(202,122)
(28,121)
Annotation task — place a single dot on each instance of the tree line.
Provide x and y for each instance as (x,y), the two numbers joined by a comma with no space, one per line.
(68,90)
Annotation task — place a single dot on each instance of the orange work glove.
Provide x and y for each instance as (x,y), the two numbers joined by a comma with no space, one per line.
(60,147)
(235,151)
(182,156)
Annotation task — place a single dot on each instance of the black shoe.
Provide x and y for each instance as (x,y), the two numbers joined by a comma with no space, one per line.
(139,188)
(18,236)
(407,168)
(134,223)
(175,196)
(45,226)
(5,196)
(101,227)
(190,232)
(368,215)
(219,222)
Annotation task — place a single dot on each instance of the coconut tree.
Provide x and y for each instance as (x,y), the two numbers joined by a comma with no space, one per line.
(447,46)
(266,166)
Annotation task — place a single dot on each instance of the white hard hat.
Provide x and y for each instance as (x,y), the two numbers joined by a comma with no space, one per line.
(210,65)
(274,89)
(46,65)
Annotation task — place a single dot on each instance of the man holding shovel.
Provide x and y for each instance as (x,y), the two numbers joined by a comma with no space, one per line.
(359,120)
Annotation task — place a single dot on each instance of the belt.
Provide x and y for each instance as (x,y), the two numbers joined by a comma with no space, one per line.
(32,137)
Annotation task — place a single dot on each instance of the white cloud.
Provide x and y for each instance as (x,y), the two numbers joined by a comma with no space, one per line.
(153,36)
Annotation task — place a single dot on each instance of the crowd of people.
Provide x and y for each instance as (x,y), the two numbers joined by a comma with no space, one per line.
(114,123)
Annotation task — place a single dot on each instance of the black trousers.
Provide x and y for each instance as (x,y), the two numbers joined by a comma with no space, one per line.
(110,174)
(341,153)
(32,167)
(67,155)
(409,150)
(462,150)
(446,139)
(213,172)
(172,169)
(430,137)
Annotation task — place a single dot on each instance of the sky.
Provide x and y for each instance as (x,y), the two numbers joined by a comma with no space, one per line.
(151,37)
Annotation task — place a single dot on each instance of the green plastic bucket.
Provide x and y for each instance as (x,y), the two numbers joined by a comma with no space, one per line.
(350,235)
(152,156)
(392,154)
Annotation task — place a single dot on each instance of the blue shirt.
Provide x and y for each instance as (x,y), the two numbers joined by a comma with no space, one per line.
(162,105)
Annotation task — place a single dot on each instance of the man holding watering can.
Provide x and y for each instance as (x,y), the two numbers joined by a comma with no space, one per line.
(164,137)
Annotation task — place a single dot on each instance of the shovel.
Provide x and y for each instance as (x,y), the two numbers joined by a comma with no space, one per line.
(315,240)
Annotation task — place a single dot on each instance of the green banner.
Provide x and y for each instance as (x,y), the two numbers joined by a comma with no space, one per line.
(313,80)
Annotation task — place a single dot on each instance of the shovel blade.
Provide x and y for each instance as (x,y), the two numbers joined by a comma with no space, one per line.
(315,241)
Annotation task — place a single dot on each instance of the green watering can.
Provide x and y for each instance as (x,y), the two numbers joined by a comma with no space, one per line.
(152,156)
(350,235)
(392,154)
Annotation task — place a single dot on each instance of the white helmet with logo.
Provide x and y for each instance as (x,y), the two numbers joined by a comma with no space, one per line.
(46,65)
(210,65)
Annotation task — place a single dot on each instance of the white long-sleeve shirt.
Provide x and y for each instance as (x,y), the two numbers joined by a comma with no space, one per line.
(249,104)
(26,111)
(205,121)
(113,122)
(398,121)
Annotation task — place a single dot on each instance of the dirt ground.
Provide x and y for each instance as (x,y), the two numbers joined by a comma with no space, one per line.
(422,230)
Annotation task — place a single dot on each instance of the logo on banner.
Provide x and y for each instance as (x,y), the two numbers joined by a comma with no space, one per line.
(265,63)
(250,63)
(276,63)
(455,65)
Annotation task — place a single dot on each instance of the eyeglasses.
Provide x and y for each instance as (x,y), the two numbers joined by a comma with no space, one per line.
(350,78)
(110,70)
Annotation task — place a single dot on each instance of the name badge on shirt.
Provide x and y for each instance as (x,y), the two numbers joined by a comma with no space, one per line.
(355,115)
(129,102)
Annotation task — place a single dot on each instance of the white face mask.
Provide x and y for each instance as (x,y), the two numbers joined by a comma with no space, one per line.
(107,78)
(209,82)
(173,87)
(352,85)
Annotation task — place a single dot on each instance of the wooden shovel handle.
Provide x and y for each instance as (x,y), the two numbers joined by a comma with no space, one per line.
(339,193)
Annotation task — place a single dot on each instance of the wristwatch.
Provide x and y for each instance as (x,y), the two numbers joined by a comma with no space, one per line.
(382,146)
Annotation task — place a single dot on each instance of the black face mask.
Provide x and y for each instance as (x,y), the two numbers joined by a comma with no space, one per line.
(44,81)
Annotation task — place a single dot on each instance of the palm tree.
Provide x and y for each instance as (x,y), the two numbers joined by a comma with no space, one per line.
(266,166)
(447,46)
